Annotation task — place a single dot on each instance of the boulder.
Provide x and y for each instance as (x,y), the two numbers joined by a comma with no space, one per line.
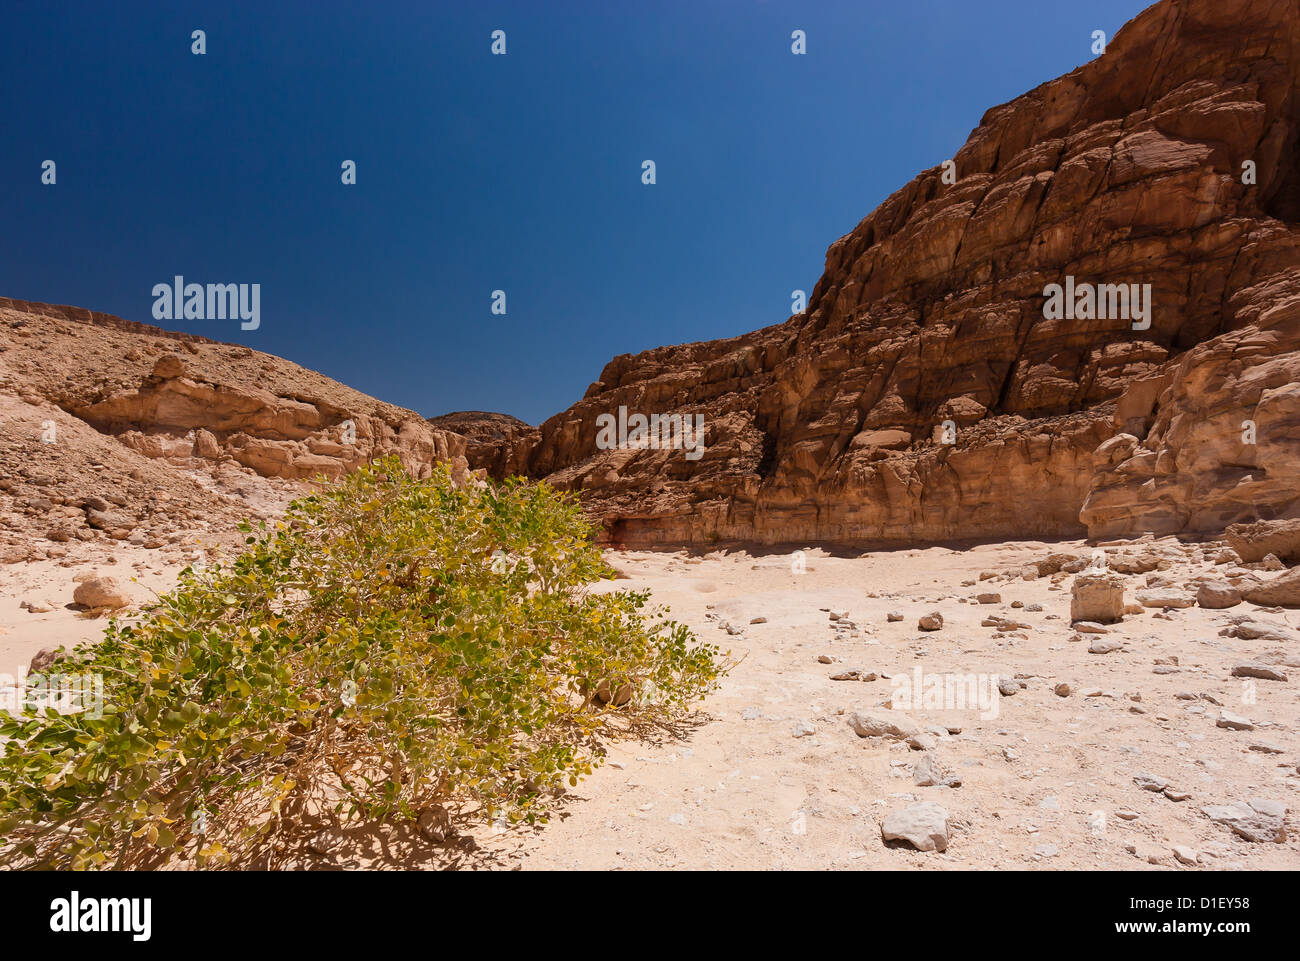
(1254,542)
(1217,595)
(1097,597)
(101,592)
(1280,591)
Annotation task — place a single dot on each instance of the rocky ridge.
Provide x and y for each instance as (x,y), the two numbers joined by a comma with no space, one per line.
(118,430)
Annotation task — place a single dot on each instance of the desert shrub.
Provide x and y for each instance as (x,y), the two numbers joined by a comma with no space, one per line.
(393,645)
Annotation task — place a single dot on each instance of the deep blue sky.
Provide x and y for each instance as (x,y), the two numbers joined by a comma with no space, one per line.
(478,172)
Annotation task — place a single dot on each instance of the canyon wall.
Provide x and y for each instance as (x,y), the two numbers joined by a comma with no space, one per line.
(1170,160)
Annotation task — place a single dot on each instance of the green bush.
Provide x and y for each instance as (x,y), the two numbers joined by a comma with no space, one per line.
(393,645)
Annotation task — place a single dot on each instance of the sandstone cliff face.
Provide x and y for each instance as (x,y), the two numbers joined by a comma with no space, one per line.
(1128,171)
(112,428)
(496,443)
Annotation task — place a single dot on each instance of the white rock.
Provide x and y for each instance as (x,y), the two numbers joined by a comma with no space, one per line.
(923,825)
(1260,820)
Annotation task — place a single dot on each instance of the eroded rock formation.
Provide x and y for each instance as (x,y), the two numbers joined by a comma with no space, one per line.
(110,428)
(1172,161)
(496,443)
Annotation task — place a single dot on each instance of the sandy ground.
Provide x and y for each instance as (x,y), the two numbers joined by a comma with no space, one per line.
(144,574)
(1043,783)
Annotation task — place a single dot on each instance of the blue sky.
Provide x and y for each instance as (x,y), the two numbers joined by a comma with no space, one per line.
(478,172)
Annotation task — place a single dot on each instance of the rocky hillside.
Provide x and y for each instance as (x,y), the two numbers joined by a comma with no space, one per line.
(113,429)
(930,392)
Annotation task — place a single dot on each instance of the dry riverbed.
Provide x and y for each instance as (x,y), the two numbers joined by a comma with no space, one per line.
(1101,749)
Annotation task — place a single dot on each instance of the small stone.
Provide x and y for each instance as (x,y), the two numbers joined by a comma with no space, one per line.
(927,772)
(1008,686)
(923,825)
(931,622)
(1265,748)
(989,598)
(615,698)
(1150,782)
(803,729)
(1104,646)
(45,659)
(323,842)
(900,726)
(1184,854)
(435,824)
(894,616)
(1090,627)
(1254,669)
(1062,690)
(1234,722)
(1165,597)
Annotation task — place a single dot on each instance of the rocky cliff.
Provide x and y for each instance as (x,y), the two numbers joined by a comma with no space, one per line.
(931,391)
(109,428)
(495,443)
